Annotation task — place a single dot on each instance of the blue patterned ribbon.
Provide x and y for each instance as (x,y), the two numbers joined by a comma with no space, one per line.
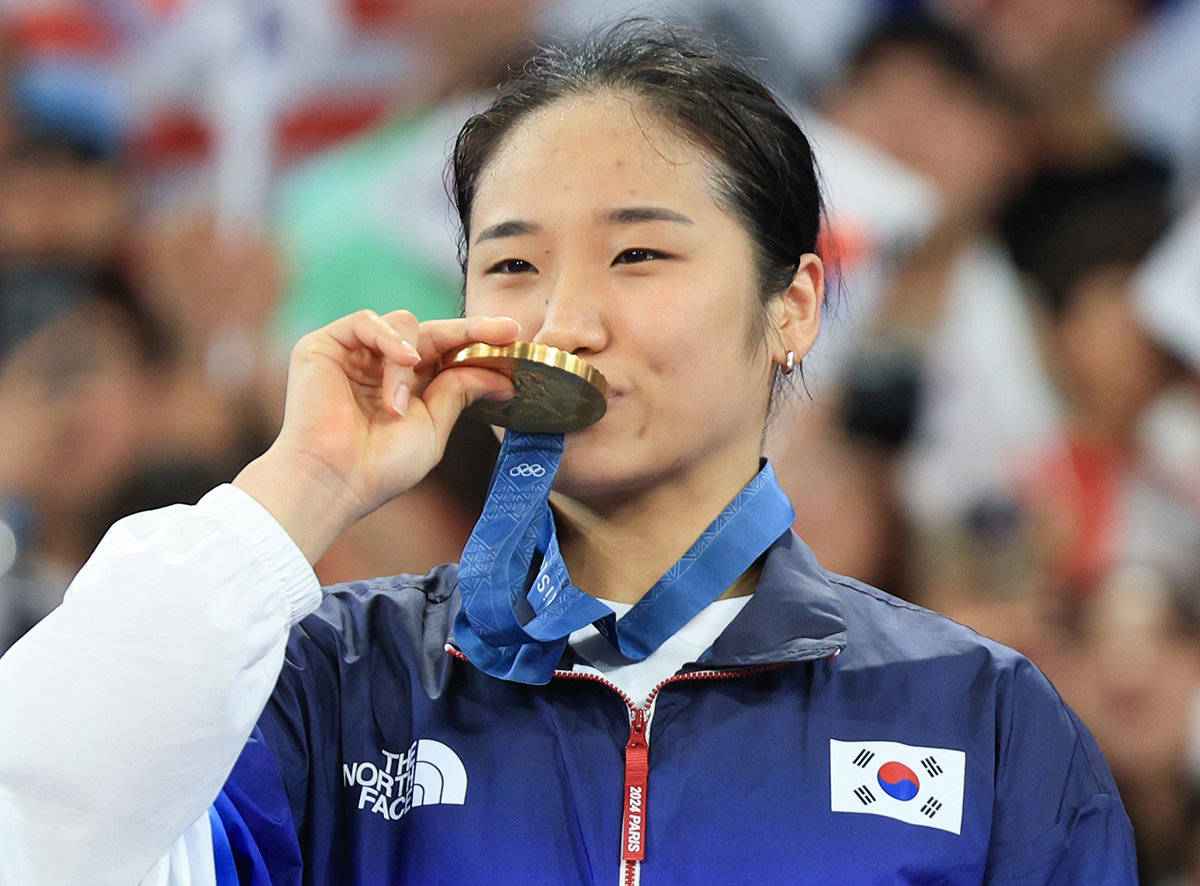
(518,603)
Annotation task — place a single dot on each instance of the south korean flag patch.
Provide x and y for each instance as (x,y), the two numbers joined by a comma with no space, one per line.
(921,786)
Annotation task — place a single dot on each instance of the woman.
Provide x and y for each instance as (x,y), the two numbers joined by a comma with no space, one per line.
(647,206)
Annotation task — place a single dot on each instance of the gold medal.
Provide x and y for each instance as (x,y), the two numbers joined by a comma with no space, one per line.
(556,391)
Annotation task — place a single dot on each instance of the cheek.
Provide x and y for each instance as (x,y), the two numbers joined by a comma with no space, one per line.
(706,351)
(473,302)
(522,303)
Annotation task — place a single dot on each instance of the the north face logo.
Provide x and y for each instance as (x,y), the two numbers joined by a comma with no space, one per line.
(427,774)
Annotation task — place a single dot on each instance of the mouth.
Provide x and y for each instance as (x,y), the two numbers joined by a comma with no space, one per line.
(611,402)
(615,396)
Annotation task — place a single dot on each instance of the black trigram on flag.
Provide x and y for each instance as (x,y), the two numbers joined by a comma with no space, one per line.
(918,785)
(864,794)
(864,757)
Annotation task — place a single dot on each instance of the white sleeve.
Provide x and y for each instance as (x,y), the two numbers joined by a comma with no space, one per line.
(189,861)
(122,713)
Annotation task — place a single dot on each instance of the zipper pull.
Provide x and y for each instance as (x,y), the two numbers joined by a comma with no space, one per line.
(637,775)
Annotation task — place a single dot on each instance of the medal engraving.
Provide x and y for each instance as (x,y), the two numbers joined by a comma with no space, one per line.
(556,391)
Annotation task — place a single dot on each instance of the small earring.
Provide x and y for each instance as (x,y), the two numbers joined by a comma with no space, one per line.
(790,363)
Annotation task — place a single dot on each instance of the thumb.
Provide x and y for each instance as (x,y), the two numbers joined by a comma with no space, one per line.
(453,390)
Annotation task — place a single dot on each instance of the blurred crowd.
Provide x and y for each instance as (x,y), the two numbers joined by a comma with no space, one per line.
(1001,421)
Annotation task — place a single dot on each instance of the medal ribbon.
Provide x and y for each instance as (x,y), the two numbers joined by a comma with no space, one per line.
(518,603)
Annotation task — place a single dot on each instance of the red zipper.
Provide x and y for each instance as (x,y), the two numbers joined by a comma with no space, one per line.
(637,757)
(637,761)
(637,777)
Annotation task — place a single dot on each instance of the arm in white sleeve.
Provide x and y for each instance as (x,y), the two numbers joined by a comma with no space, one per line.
(123,712)
(189,861)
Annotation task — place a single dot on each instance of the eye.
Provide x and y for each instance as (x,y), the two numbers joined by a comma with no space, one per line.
(636,256)
(511,266)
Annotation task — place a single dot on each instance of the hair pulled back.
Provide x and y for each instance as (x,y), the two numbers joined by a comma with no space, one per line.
(765,173)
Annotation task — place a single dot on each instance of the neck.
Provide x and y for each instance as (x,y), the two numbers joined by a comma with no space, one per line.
(617,550)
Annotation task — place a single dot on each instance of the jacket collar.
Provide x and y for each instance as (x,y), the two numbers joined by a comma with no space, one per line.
(794,615)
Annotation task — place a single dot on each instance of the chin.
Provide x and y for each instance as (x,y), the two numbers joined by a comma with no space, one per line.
(598,472)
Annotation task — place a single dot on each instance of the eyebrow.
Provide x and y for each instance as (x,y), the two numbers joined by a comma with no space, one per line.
(512,228)
(634,214)
(623,216)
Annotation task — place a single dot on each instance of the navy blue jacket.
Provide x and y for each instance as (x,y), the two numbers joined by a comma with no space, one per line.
(385,758)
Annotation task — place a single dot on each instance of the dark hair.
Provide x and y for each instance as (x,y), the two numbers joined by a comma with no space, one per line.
(941,45)
(1108,226)
(765,175)
(34,294)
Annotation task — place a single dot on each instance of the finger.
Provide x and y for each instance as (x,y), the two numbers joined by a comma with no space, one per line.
(385,337)
(400,380)
(406,323)
(397,384)
(439,336)
(451,392)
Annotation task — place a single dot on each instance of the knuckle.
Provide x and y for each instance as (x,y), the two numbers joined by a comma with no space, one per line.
(303,344)
(402,317)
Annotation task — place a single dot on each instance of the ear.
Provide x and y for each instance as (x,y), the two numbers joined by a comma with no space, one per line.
(796,312)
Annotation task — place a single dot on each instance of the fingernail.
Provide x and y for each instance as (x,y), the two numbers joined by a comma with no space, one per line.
(400,399)
(412,352)
(498,396)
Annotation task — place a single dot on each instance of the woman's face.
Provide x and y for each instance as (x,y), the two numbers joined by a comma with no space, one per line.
(597,229)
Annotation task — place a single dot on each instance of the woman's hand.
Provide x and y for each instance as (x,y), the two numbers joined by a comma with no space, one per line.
(367,417)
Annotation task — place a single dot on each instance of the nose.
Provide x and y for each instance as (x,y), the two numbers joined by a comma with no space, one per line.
(571,319)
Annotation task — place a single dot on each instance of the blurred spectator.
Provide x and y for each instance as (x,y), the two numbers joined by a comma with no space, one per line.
(1131,671)
(76,395)
(1057,54)
(1108,520)
(60,201)
(952,342)
(1090,497)
(215,292)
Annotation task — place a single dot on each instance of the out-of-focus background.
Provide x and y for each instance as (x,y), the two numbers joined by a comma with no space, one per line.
(1001,422)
